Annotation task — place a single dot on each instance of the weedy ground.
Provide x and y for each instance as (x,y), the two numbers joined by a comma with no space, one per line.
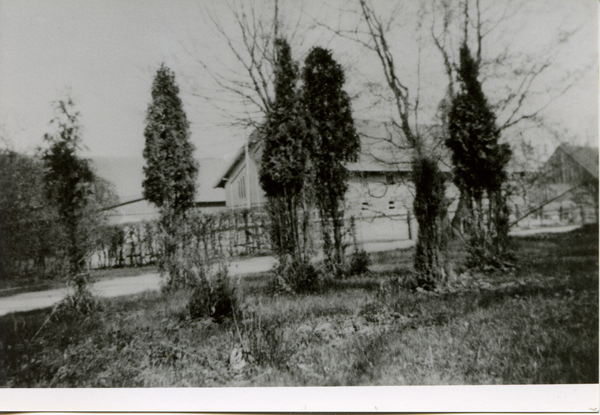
(535,324)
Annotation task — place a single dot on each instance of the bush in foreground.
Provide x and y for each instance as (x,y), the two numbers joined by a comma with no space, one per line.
(359,262)
(264,342)
(295,276)
(81,303)
(213,297)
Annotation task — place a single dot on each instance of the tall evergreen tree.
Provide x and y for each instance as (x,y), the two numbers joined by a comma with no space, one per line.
(285,155)
(335,142)
(69,181)
(479,162)
(171,170)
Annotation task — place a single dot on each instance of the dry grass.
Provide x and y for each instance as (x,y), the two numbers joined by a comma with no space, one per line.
(535,325)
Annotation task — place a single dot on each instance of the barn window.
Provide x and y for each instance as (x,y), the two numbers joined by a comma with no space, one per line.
(242,188)
(392,205)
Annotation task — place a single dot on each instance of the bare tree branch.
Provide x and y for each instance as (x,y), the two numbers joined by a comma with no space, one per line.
(242,75)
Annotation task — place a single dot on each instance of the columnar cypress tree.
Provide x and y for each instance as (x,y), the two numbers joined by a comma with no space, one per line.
(285,154)
(479,162)
(171,170)
(335,143)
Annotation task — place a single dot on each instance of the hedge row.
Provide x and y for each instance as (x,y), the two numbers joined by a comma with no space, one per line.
(218,234)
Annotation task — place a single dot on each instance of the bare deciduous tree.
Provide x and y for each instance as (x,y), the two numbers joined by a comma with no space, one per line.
(520,79)
(430,202)
(518,84)
(521,83)
(242,73)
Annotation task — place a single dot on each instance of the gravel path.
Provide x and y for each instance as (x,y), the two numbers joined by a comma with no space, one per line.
(118,286)
(133,285)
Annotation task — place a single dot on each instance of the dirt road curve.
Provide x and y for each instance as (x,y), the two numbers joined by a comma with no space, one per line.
(134,285)
(118,287)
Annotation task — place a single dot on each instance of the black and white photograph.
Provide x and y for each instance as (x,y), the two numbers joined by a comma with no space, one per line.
(280,205)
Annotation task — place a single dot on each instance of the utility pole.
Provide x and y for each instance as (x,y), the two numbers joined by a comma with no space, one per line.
(248,174)
(276,21)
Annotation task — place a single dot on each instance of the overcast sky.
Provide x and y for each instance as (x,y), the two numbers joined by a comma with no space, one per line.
(107,53)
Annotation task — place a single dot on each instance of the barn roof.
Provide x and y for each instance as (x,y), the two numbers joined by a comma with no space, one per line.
(586,157)
(382,150)
(127,174)
(222,178)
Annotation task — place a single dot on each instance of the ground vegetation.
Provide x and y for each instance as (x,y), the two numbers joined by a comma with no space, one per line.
(536,324)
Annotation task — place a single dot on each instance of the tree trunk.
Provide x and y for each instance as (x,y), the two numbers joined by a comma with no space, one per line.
(462,214)
(337,238)
(430,211)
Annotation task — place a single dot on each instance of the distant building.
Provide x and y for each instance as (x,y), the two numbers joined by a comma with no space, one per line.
(239,180)
(127,174)
(570,177)
(379,185)
(573,165)
(574,170)
(379,181)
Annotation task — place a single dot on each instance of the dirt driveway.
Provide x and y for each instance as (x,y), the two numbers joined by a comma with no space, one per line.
(118,286)
(134,285)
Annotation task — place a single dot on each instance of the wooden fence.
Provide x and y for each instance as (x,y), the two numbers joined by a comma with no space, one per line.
(218,234)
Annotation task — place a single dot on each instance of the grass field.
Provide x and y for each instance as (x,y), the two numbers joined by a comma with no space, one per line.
(536,324)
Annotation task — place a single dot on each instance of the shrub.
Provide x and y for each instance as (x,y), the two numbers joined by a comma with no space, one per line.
(264,342)
(180,263)
(359,262)
(295,276)
(81,303)
(180,272)
(213,297)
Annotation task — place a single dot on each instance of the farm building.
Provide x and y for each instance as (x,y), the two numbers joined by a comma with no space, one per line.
(239,180)
(570,185)
(380,192)
(379,181)
(127,174)
(379,186)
